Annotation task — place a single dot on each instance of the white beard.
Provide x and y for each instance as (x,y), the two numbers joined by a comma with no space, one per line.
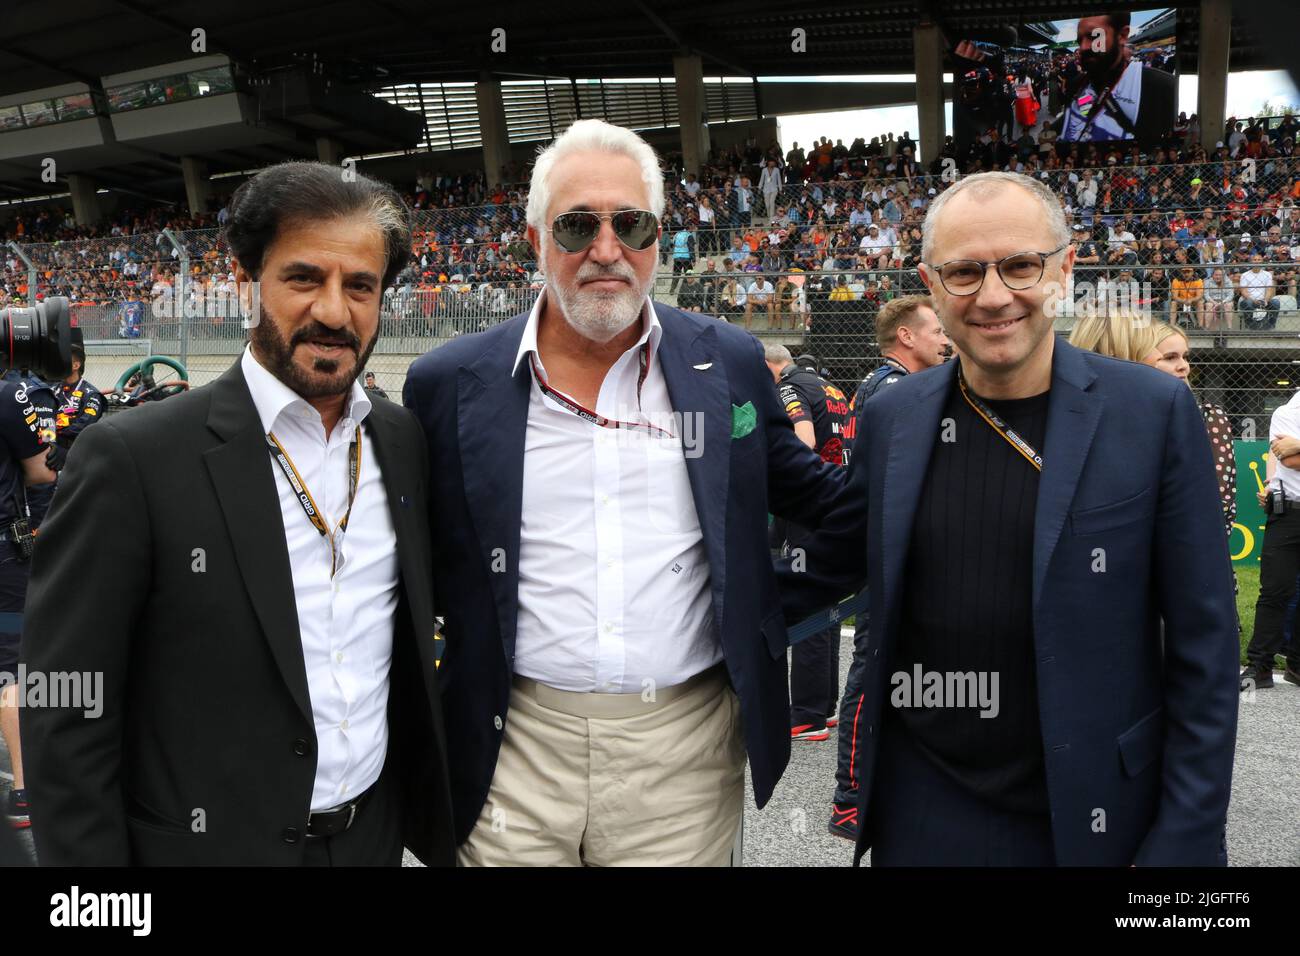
(598,316)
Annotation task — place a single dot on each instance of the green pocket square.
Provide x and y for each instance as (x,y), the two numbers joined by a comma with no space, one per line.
(742,419)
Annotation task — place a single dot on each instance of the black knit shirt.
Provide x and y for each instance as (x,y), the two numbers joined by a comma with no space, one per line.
(967,606)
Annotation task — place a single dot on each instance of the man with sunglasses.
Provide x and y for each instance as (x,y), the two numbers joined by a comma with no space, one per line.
(1053,641)
(605,467)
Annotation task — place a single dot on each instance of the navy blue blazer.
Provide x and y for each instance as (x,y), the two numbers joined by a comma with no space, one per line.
(1137,724)
(475,412)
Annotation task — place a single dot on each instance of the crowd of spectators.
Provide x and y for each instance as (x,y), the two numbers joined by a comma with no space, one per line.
(826,221)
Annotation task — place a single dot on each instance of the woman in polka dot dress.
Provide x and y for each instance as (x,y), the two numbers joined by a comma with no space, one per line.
(1168,351)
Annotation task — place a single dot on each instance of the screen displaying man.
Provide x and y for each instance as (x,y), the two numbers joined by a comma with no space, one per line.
(1116,96)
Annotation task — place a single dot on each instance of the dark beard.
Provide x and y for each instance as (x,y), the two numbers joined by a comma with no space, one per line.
(276,356)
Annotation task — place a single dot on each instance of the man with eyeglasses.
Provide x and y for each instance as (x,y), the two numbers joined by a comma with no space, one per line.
(1053,634)
(603,471)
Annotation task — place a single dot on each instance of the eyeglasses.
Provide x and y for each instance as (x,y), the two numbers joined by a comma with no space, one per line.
(1018,271)
(574,231)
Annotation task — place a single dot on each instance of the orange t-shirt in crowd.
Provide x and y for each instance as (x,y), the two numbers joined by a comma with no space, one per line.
(1187,291)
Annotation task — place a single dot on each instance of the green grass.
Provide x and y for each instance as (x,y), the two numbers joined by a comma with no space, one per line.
(1247,595)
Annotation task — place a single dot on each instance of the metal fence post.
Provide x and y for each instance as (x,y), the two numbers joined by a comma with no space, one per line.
(31,272)
(179,295)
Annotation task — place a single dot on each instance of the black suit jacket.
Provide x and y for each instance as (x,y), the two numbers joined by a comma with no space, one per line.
(163,565)
(1158,108)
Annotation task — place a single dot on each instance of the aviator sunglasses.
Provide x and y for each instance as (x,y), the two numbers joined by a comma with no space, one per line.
(575,231)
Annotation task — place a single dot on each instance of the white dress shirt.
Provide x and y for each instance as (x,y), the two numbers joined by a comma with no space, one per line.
(345,624)
(614,592)
(1286,421)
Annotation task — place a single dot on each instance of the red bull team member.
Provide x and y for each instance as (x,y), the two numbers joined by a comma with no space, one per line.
(820,412)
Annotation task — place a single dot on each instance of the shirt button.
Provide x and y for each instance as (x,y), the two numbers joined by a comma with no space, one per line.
(609,563)
(344,725)
(609,625)
(497,723)
(339,657)
(604,499)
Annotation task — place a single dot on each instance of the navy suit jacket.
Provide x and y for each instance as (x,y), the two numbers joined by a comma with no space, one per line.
(1138,723)
(474,411)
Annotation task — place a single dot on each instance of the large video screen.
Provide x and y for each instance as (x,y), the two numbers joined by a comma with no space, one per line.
(1103,77)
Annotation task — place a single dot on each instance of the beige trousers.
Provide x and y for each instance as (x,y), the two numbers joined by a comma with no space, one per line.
(615,779)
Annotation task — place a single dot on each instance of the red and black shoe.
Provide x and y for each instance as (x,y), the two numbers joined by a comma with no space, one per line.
(844,821)
(18,812)
(809,732)
(832,721)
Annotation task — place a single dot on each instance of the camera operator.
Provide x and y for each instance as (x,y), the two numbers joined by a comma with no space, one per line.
(22,465)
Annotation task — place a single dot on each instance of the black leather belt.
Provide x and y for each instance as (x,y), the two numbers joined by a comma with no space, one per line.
(327,823)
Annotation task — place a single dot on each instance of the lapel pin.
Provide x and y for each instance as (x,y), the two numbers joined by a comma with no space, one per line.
(706,365)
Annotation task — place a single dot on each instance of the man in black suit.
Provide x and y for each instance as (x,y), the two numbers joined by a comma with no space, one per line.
(266,636)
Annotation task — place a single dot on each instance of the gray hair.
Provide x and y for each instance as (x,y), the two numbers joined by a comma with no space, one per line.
(587,136)
(985,186)
(777,354)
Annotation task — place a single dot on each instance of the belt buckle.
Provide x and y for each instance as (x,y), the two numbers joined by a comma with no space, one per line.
(352,814)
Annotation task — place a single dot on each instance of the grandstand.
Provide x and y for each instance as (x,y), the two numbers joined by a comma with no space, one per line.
(146,159)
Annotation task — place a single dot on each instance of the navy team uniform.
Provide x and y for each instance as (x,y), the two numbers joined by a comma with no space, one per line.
(20,439)
(815,662)
(81,406)
(844,815)
(45,403)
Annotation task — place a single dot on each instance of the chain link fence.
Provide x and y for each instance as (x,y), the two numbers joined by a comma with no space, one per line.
(829,257)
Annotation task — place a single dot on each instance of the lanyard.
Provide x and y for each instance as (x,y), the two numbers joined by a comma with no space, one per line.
(71,402)
(304,496)
(1105,103)
(998,425)
(586,414)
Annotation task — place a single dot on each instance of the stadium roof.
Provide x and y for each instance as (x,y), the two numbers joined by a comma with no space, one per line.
(303,69)
(45,44)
